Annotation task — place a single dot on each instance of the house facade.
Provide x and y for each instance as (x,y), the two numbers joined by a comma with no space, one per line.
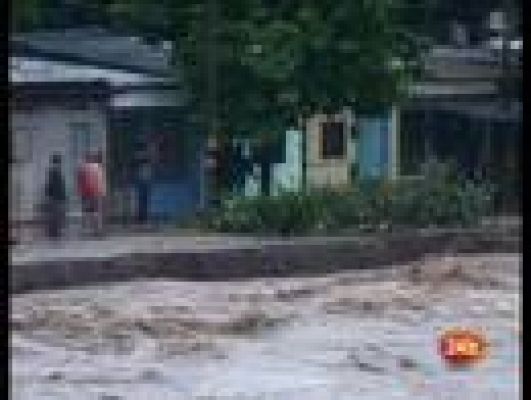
(83,90)
(458,114)
(40,127)
(348,145)
(329,153)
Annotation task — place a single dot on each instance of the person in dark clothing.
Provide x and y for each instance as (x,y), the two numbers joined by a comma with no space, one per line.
(241,167)
(55,198)
(143,187)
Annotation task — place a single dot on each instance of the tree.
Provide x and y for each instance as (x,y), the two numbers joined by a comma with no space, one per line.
(269,61)
(280,60)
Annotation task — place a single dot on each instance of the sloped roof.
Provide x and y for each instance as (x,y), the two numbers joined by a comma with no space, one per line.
(23,70)
(476,62)
(98,47)
(463,56)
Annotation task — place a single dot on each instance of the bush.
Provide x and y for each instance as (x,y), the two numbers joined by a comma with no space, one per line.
(439,197)
(286,213)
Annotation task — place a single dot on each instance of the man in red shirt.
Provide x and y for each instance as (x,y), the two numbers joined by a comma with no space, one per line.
(92,190)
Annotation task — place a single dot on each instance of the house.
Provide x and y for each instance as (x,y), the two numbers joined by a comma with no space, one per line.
(87,89)
(339,144)
(458,112)
(455,113)
(326,152)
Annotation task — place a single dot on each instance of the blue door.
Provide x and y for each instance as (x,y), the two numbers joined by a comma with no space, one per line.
(374,150)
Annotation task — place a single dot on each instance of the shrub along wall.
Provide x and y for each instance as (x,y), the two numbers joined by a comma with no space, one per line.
(439,198)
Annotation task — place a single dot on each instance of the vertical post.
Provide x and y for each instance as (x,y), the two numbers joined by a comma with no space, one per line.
(210,112)
(426,133)
(427,137)
(393,143)
(202,173)
(107,210)
(505,67)
(487,157)
(304,140)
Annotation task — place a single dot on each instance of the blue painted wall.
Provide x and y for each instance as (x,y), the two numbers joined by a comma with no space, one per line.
(176,181)
(374,144)
(179,196)
(174,199)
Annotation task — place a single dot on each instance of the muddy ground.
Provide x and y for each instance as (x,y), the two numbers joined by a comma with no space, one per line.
(353,335)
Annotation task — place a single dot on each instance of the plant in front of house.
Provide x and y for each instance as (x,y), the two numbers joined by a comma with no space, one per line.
(285,214)
(439,198)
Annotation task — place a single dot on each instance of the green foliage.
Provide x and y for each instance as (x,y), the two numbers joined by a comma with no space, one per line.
(285,214)
(438,198)
(273,61)
(26,14)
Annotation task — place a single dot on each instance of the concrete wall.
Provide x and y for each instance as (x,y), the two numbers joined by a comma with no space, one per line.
(38,133)
(284,176)
(253,182)
(240,258)
(288,175)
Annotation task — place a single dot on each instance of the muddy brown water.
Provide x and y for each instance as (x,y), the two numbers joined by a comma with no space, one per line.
(361,334)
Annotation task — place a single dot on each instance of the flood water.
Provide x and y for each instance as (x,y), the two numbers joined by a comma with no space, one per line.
(354,335)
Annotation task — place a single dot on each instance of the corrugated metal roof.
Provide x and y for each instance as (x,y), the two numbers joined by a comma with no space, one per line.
(430,89)
(25,69)
(97,47)
(479,55)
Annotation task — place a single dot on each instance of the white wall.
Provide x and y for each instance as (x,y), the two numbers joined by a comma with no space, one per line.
(284,176)
(252,182)
(288,175)
(50,132)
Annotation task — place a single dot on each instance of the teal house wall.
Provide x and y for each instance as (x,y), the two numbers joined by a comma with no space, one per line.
(376,153)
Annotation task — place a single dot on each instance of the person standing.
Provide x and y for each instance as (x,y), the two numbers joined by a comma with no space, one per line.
(92,190)
(144,186)
(241,167)
(55,194)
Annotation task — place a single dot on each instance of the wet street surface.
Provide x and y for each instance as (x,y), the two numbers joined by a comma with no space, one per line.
(353,335)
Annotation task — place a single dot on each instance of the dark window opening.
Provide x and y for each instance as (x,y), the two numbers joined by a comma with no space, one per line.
(332,140)
(412,143)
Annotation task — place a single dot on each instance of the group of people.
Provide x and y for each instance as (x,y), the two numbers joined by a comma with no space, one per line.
(91,188)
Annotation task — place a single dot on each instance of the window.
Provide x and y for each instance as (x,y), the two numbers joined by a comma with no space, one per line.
(413,138)
(332,140)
